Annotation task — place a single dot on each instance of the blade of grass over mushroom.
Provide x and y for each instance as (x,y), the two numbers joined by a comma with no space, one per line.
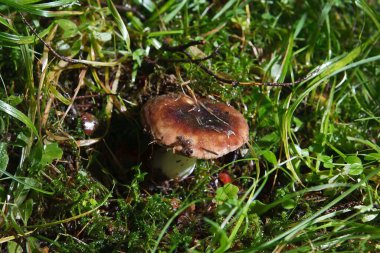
(120,24)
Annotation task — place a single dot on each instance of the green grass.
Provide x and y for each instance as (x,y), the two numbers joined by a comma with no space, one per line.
(309,177)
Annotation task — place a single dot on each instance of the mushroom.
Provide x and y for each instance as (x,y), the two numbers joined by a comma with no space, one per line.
(188,129)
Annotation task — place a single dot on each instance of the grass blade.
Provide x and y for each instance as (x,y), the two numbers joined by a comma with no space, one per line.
(15,113)
(172,14)
(120,23)
(32,10)
(370,12)
(287,235)
(224,9)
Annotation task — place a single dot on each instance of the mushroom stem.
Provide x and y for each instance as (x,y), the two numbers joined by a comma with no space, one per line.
(173,165)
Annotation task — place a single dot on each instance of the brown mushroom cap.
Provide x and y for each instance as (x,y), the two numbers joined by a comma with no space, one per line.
(203,129)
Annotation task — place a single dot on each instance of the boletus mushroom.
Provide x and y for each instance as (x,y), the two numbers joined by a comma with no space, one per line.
(188,129)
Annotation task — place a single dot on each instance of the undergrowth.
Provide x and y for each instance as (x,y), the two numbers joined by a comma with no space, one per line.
(307,181)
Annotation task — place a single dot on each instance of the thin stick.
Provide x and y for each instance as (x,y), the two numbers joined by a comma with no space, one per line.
(79,86)
(63,58)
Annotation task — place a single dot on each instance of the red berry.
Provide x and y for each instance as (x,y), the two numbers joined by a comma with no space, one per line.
(225,178)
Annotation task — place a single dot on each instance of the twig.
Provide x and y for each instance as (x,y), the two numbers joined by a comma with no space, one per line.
(221,79)
(95,96)
(80,84)
(63,58)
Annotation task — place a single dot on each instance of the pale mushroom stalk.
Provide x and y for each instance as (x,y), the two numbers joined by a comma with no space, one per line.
(173,165)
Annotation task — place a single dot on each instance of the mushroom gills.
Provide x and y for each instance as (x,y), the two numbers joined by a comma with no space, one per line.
(173,165)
